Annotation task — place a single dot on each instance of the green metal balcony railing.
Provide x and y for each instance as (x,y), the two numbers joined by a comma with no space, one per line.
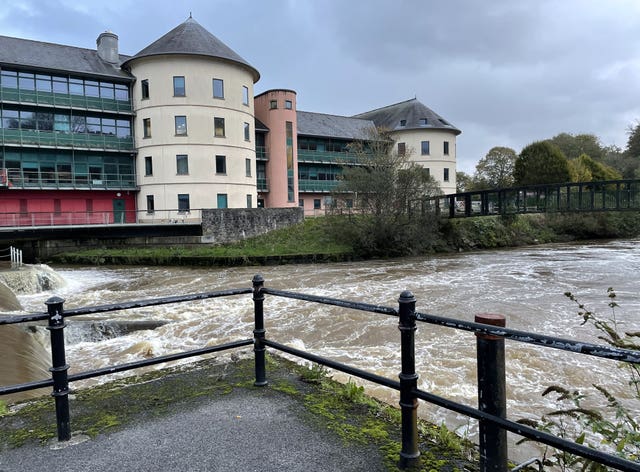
(327,157)
(261,153)
(71,140)
(64,100)
(318,186)
(34,179)
(263,185)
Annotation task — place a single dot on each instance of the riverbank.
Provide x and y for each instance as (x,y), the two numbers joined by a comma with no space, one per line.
(305,422)
(312,242)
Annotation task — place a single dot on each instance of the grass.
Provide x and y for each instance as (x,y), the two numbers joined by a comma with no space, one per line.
(309,238)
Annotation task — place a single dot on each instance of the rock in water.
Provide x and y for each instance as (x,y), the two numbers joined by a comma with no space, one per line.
(8,300)
(31,279)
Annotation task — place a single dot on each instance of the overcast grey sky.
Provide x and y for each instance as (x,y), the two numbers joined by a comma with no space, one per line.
(506,72)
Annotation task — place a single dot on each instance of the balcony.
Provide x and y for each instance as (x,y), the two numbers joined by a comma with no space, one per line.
(34,179)
(327,157)
(261,153)
(63,100)
(317,186)
(65,140)
(263,185)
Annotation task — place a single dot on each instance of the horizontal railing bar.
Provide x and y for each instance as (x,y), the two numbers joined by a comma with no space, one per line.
(92,310)
(24,387)
(335,365)
(159,360)
(333,301)
(528,432)
(129,366)
(597,350)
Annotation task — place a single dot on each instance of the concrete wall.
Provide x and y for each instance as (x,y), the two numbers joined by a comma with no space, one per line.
(228,225)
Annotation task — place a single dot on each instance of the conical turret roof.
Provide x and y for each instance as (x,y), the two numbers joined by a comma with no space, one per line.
(410,114)
(192,39)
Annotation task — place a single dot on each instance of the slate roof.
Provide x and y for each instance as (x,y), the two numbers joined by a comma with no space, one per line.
(260,126)
(333,126)
(26,53)
(191,38)
(412,111)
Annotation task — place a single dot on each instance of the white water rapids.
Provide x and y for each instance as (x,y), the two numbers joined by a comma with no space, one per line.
(525,284)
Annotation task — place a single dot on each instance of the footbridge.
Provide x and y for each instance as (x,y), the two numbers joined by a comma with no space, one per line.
(610,195)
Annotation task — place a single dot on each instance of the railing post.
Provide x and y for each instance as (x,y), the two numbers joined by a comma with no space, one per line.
(409,454)
(59,367)
(492,395)
(259,331)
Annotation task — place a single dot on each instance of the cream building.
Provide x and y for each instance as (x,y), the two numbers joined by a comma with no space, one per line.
(194,127)
(426,137)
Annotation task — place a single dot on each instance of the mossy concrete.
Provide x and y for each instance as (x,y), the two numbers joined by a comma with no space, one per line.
(343,411)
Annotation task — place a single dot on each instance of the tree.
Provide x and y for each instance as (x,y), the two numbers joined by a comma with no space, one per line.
(464,182)
(384,188)
(588,170)
(541,163)
(623,162)
(495,170)
(573,146)
(633,143)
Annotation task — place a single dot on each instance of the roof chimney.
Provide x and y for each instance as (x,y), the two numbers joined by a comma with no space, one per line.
(108,47)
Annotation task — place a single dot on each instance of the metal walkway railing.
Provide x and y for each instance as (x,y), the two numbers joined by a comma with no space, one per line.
(490,332)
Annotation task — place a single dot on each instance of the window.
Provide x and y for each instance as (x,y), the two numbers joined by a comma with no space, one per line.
(218,124)
(249,201)
(150,204)
(402,149)
(178,86)
(146,123)
(247,132)
(288,104)
(218,88)
(273,104)
(182,164)
(424,145)
(316,203)
(423,122)
(247,167)
(403,122)
(222,200)
(245,95)
(446,148)
(181,125)
(183,203)
(445,175)
(221,165)
(148,165)
(301,203)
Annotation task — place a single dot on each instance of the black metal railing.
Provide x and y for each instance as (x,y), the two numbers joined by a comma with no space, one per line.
(610,195)
(490,331)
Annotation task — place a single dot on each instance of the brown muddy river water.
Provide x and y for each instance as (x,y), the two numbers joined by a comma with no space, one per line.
(525,284)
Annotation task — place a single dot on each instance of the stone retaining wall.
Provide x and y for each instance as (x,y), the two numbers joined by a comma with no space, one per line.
(222,226)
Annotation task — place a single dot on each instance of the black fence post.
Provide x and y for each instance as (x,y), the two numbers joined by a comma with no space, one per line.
(59,367)
(259,331)
(409,454)
(492,395)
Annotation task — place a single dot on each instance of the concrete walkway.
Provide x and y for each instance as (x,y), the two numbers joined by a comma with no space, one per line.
(203,419)
(240,431)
